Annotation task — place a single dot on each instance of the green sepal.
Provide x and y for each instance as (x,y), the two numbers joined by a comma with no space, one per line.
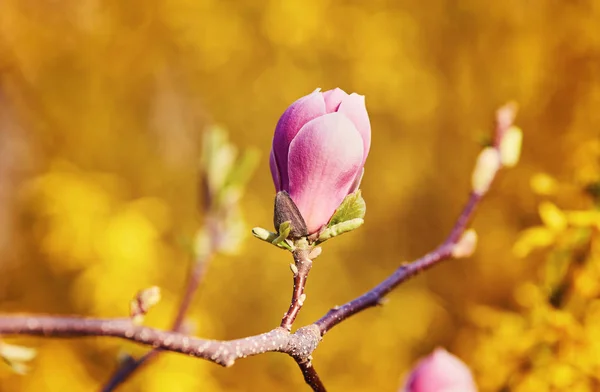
(353,207)
(284,232)
(264,234)
(340,228)
(271,238)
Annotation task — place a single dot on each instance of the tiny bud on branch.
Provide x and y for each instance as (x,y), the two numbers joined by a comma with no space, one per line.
(17,356)
(263,234)
(315,253)
(143,301)
(466,245)
(488,164)
(510,147)
(294,269)
(506,114)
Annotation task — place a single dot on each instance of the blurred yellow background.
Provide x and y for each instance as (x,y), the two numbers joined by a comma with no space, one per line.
(102,109)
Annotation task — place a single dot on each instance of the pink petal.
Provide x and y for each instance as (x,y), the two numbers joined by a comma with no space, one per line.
(333,99)
(324,160)
(299,113)
(441,371)
(357,180)
(274,172)
(354,108)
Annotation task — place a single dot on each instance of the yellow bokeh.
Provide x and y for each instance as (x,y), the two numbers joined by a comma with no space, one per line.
(103,105)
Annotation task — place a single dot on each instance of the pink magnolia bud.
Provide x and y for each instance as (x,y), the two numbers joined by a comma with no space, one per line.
(440,372)
(320,146)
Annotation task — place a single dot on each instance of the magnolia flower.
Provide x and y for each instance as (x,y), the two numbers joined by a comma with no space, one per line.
(440,372)
(320,146)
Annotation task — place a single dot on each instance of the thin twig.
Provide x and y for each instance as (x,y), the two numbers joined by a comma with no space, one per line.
(130,365)
(127,368)
(301,268)
(226,352)
(299,345)
(196,277)
(503,121)
(374,296)
(310,375)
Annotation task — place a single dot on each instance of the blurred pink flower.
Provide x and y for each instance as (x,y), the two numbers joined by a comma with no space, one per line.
(440,372)
(319,149)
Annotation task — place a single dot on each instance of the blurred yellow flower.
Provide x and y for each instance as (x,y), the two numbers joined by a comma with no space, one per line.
(552,217)
(543,184)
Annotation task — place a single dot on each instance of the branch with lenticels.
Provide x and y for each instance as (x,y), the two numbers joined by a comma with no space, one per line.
(130,364)
(300,344)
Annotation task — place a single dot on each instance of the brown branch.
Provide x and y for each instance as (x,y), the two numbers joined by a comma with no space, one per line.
(196,277)
(300,268)
(310,375)
(127,368)
(486,173)
(130,365)
(299,345)
(374,296)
